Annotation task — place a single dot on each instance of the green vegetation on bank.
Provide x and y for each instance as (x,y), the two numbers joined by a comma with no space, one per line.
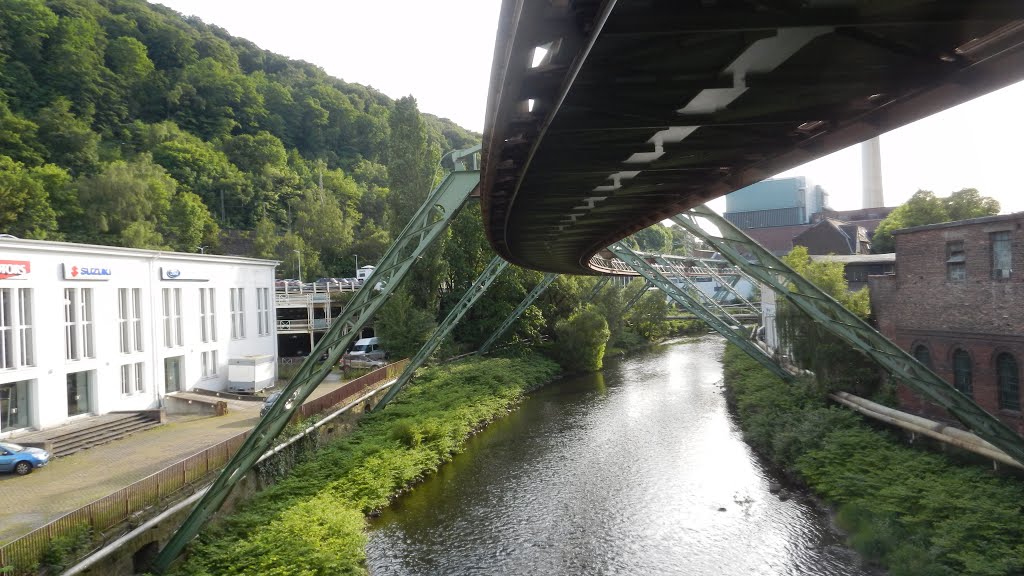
(913,512)
(312,521)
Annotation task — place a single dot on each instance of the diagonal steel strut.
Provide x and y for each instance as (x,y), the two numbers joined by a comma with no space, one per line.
(440,207)
(533,295)
(723,324)
(475,291)
(737,247)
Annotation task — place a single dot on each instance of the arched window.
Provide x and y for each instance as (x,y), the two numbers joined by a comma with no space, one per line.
(1009,381)
(922,355)
(962,371)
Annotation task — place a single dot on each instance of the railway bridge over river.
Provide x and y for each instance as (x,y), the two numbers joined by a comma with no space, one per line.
(608,116)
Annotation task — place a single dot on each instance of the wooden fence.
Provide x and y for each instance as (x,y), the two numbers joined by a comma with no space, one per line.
(111,510)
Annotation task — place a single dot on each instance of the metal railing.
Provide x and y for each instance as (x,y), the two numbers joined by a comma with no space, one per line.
(111,510)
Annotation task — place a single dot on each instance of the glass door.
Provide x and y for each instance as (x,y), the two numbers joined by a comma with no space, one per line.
(13,406)
(78,393)
(172,374)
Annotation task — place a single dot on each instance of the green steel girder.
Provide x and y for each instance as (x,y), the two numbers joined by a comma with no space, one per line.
(533,295)
(636,297)
(598,285)
(695,292)
(725,326)
(750,257)
(479,287)
(440,207)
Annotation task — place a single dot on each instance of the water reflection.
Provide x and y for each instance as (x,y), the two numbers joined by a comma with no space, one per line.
(638,470)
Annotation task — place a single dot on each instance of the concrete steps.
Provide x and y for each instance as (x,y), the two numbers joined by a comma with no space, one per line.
(83,435)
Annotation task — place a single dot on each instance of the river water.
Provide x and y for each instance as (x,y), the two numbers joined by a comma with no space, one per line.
(635,470)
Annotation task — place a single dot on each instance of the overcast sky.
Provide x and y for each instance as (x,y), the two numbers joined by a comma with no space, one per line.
(440,52)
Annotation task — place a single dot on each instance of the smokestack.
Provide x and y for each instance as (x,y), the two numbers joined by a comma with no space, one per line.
(871,173)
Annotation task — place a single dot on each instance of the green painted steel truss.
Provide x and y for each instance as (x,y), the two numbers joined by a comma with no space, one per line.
(533,295)
(757,262)
(714,315)
(440,207)
(479,287)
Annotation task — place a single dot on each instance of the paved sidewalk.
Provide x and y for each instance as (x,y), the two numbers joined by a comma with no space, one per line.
(66,484)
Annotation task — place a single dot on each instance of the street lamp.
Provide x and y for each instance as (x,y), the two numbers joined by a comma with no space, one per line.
(357,265)
(299,252)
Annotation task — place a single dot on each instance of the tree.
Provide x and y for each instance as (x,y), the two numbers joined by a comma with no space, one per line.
(71,143)
(265,239)
(189,224)
(655,239)
(403,326)
(18,137)
(581,341)
(125,193)
(925,208)
(25,209)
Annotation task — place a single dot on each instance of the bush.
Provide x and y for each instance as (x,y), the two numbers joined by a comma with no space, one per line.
(581,341)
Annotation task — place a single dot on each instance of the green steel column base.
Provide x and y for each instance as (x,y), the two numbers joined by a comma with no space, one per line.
(753,259)
(479,287)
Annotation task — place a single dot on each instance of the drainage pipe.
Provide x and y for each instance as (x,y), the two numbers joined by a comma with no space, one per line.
(930,428)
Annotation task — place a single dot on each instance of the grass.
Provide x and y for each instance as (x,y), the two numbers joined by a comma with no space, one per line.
(312,521)
(912,512)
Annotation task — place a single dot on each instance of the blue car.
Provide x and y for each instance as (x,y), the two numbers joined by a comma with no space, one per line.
(21,460)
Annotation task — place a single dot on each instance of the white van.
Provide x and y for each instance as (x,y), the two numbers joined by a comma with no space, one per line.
(365,350)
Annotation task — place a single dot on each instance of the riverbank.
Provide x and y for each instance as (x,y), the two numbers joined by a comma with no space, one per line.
(912,512)
(313,521)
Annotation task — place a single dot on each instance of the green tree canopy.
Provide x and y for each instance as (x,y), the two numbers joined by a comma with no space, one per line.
(925,208)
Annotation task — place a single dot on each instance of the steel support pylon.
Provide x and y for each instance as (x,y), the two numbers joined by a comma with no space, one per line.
(533,295)
(717,319)
(482,283)
(754,260)
(440,207)
(636,297)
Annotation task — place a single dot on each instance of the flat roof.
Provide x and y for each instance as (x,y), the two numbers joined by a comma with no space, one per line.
(958,223)
(856,258)
(75,248)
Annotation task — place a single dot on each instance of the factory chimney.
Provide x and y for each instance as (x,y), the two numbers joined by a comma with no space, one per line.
(871,167)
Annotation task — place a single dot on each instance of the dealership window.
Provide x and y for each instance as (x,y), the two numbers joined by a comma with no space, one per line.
(14,405)
(1009,381)
(209,361)
(922,355)
(16,343)
(129,306)
(78,324)
(962,371)
(1001,255)
(172,317)
(132,379)
(237,313)
(207,315)
(263,311)
(956,261)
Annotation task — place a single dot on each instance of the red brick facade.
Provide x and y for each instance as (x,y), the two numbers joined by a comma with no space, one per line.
(927,306)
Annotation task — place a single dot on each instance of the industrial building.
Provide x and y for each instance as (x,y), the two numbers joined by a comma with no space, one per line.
(956,302)
(88,330)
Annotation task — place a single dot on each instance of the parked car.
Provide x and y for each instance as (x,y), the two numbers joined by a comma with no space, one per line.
(270,402)
(21,460)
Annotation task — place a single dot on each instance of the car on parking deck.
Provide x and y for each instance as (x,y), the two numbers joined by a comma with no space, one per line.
(270,402)
(20,459)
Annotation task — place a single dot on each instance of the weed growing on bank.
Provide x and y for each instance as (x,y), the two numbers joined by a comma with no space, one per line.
(913,512)
(312,521)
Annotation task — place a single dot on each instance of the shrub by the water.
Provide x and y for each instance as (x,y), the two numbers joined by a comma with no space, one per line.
(916,513)
(581,340)
(312,522)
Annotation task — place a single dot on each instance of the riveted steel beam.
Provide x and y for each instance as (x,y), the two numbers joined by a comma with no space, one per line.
(475,291)
(533,295)
(440,207)
(761,264)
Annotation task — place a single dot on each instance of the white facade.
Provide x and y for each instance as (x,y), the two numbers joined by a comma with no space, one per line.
(88,330)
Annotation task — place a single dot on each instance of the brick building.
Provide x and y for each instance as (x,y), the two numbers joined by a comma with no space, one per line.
(956,302)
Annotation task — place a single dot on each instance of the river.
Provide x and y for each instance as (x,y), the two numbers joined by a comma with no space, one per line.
(638,469)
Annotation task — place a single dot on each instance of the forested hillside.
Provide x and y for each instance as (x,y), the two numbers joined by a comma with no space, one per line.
(123,123)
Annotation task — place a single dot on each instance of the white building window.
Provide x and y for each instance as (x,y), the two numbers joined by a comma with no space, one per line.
(263,311)
(207,315)
(132,379)
(129,315)
(237,313)
(78,324)
(172,317)
(16,344)
(209,360)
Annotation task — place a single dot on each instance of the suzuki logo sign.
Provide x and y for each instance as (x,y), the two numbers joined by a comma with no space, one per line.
(14,269)
(78,271)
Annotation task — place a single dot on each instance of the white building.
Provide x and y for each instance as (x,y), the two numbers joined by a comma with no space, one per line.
(95,329)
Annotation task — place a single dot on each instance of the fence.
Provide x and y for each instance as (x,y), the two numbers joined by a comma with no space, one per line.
(111,510)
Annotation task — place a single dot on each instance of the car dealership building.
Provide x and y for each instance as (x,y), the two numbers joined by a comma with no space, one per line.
(87,330)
